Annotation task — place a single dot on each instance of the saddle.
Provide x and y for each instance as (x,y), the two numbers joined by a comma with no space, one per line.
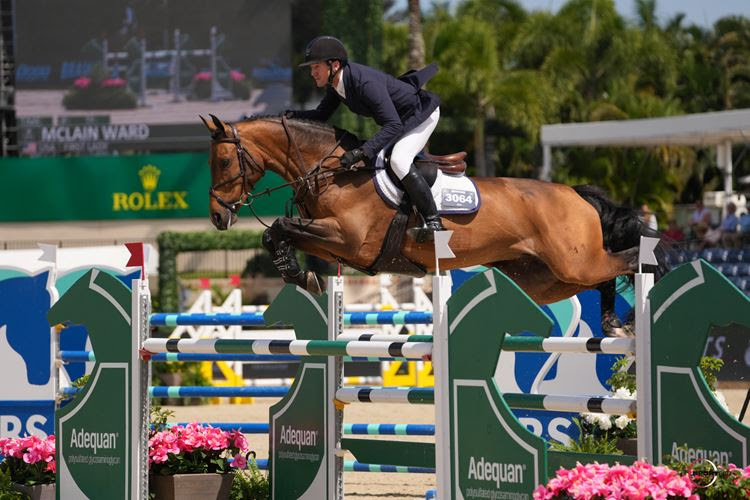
(428,165)
(390,259)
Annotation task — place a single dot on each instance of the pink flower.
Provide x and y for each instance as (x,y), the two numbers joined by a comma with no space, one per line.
(236,76)
(639,481)
(52,467)
(239,440)
(204,76)
(82,82)
(113,82)
(239,462)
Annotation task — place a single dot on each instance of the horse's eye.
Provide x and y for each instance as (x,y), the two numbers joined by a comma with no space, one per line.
(225,162)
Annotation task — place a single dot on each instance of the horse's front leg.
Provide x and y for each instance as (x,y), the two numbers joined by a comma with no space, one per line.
(319,237)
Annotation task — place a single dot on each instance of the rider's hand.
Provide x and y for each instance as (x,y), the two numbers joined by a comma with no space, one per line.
(351,157)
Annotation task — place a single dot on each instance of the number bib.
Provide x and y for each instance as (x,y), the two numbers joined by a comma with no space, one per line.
(457,198)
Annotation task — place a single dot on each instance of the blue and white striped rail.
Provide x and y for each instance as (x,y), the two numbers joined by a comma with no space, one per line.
(412,350)
(354,466)
(203,319)
(348,429)
(206,391)
(217,392)
(390,429)
(256,319)
(388,318)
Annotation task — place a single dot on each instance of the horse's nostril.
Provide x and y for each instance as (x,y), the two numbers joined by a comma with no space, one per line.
(216,216)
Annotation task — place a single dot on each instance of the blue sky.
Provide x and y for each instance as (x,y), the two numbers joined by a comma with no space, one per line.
(701,12)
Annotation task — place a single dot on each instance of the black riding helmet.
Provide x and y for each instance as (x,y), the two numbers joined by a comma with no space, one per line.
(325,48)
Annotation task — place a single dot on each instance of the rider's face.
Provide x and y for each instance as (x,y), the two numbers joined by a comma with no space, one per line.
(319,72)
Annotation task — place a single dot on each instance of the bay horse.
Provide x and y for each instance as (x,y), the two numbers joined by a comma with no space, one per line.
(551,239)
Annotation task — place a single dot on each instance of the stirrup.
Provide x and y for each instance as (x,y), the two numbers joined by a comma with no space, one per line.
(425,232)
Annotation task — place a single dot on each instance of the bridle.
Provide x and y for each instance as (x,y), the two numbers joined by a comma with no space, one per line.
(247,162)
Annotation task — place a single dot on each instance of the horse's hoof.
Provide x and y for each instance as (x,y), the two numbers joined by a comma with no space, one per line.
(612,326)
(315,284)
(625,331)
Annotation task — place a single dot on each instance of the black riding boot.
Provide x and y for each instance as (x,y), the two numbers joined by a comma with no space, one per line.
(421,197)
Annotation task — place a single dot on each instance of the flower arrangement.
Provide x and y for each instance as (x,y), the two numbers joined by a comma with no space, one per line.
(99,91)
(639,480)
(716,481)
(196,449)
(29,460)
(236,82)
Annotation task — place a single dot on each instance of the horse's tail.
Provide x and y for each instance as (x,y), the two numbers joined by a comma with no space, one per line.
(622,226)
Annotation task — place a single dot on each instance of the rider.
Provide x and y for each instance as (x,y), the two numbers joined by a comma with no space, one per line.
(406,113)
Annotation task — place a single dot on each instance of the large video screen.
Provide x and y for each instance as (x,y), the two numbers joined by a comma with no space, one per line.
(101,77)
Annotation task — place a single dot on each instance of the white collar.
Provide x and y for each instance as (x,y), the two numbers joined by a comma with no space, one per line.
(339,87)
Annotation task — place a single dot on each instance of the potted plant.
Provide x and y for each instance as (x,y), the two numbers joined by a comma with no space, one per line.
(639,480)
(194,461)
(29,464)
(99,91)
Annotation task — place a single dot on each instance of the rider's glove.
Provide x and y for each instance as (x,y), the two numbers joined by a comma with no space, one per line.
(352,157)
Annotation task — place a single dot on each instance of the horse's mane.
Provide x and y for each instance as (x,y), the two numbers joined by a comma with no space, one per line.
(312,130)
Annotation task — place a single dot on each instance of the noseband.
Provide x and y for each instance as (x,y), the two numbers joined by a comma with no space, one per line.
(246,162)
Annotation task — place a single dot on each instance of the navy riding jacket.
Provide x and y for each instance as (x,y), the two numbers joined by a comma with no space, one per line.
(398,105)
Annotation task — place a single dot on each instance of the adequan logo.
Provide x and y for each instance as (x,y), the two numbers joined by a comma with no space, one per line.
(149,199)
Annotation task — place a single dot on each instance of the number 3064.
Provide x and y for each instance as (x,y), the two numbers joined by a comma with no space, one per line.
(458,198)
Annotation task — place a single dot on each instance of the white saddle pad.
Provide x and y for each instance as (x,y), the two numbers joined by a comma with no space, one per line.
(452,194)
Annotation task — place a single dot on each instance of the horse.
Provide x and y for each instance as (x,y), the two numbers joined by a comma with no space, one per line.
(553,240)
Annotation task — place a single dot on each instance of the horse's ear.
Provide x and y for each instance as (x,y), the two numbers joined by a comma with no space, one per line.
(208,125)
(220,130)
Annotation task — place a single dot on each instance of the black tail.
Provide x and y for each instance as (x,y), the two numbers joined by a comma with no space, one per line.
(622,226)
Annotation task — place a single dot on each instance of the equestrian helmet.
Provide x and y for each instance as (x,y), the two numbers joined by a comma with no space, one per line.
(324,48)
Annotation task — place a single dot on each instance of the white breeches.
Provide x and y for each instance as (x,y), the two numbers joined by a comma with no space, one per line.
(408,146)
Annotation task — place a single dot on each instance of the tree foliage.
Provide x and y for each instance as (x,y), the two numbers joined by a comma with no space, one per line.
(505,72)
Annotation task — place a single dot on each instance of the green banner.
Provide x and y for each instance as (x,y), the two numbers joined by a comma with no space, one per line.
(116,187)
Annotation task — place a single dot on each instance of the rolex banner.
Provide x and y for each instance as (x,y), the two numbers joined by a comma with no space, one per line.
(116,187)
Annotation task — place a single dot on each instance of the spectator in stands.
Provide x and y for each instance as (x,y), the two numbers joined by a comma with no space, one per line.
(673,232)
(730,237)
(745,226)
(700,221)
(649,218)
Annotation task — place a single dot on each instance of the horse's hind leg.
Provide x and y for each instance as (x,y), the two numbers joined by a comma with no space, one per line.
(535,278)
(539,283)
(611,324)
(577,255)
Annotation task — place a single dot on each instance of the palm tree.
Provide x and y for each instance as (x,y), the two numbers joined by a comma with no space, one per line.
(416,42)
(470,69)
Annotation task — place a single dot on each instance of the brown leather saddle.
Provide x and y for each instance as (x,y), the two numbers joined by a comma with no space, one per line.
(428,165)
(452,164)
